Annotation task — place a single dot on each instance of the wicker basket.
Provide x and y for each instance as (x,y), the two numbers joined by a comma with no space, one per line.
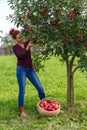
(46,112)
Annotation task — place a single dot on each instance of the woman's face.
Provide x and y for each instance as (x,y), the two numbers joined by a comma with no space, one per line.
(19,38)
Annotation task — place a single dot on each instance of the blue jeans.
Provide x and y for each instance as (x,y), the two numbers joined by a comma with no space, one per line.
(21,74)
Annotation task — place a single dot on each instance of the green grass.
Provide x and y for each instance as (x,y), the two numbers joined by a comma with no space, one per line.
(53,79)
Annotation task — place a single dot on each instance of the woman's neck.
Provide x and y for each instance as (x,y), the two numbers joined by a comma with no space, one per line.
(21,44)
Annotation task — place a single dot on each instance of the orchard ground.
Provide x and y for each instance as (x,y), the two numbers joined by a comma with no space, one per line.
(53,79)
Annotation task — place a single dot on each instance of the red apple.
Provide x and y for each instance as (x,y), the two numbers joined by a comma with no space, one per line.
(28,15)
(78,35)
(70,14)
(63,39)
(86,45)
(49,105)
(41,105)
(56,106)
(58,23)
(26,26)
(49,108)
(53,104)
(44,102)
(29,31)
(53,109)
(78,12)
(53,23)
(42,11)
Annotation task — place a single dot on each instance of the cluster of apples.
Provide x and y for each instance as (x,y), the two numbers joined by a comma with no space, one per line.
(26,26)
(78,36)
(71,14)
(49,104)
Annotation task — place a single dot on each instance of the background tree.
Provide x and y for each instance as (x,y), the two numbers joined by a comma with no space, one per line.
(6,39)
(59,27)
(1,33)
(7,44)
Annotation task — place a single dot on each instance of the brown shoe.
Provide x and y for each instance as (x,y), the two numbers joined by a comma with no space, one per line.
(21,112)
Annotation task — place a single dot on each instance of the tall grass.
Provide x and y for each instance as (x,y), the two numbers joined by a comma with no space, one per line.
(53,79)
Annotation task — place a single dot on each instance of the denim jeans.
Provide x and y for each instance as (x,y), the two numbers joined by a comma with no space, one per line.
(22,74)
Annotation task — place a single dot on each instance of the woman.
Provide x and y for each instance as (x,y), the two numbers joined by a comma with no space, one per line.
(24,68)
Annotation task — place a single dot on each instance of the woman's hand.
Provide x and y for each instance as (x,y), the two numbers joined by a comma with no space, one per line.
(30,44)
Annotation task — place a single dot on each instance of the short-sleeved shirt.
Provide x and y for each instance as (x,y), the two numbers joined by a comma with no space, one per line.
(23,56)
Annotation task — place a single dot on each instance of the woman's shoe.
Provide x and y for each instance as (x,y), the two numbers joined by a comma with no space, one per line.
(22,112)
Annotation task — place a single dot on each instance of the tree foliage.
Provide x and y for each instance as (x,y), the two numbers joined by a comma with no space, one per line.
(60,25)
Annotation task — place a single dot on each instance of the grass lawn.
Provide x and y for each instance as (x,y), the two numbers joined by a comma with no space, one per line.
(53,79)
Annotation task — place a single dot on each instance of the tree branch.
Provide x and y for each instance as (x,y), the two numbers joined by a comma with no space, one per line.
(76,69)
(72,60)
(63,55)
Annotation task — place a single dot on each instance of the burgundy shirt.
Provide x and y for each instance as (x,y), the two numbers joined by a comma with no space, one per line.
(23,56)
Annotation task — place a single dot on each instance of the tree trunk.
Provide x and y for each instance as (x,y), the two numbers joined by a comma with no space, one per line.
(70,85)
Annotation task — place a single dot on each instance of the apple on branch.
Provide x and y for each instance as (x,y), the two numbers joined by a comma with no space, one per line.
(71,14)
(79,35)
(63,39)
(29,31)
(28,15)
(78,12)
(42,11)
(86,45)
(26,26)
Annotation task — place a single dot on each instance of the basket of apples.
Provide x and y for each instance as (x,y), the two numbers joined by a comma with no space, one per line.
(48,107)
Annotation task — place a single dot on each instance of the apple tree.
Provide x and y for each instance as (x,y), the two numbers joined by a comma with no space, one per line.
(59,27)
